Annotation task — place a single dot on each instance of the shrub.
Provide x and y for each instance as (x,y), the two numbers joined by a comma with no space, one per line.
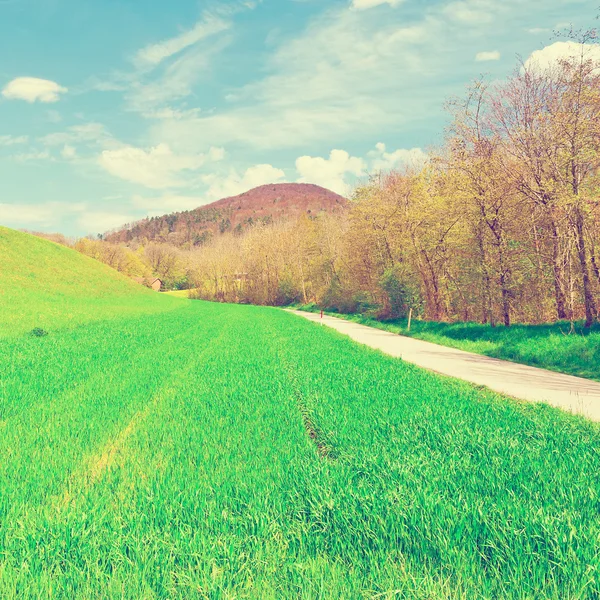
(402,294)
(38,332)
(287,293)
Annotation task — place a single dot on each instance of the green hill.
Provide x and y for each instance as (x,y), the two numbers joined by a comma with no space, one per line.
(43,284)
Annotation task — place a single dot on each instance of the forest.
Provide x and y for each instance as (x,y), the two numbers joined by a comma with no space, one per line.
(500,225)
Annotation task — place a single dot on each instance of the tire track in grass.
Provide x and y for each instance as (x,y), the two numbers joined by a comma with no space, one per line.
(320,439)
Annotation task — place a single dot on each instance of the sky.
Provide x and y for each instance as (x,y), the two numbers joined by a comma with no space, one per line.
(116,110)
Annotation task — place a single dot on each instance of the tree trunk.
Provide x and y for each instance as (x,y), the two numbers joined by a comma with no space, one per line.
(594,262)
(486,306)
(588,298)
(559,294)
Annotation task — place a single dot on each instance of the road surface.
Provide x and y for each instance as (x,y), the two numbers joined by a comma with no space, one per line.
(574,394)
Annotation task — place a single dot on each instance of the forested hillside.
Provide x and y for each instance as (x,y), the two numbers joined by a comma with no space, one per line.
(263,205)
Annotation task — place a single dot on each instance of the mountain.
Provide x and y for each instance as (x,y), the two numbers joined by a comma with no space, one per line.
(266,204)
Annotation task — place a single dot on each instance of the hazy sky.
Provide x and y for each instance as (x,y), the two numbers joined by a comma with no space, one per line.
(113,110)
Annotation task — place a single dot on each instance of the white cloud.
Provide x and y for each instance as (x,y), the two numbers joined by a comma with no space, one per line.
(29,156)
(330,172)
(340,170)
(381,160)
(157,168)
(365,4)
(471,12)
(234,183)
(548,58)
(87,132)
(32,89)
(100,222)
(343,74)
(166,203)
(11,140)
(219,186)
(168,113)
(41,215)
(154,54)
(487,56)
(68,152)
(176,81)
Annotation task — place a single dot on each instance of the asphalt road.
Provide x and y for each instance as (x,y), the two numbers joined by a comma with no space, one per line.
(574,394)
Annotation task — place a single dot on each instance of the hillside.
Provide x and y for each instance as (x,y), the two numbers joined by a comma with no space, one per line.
(42,282)
(267,203)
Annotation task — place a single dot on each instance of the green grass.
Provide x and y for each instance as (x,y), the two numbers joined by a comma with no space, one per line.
(552,346)
(46,285)
(179,293)
(219,451)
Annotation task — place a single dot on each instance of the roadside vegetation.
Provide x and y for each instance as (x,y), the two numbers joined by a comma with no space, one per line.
(565,347)
(190,449)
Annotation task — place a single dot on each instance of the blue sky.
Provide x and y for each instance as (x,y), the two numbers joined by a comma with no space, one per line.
(114,110)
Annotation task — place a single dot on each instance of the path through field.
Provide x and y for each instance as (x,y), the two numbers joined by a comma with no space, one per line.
(575,394)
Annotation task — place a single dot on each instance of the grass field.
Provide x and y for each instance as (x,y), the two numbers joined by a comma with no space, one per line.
(551,346)
(200,450)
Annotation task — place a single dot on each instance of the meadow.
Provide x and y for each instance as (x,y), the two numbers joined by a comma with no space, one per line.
(554,346)
(198,450)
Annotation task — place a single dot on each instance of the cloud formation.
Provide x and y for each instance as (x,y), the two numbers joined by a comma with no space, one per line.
(154,54)
(33,90)
(39,215)
(548,57)
(330,172)
(366,4)
(235,183)
(11,140)
(487,56)
(156,168)
(381,160)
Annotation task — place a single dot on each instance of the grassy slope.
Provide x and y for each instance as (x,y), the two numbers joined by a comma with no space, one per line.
(169,456)
(548,346)
(46,285)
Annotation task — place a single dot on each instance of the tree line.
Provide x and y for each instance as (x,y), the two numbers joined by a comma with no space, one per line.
(501,224)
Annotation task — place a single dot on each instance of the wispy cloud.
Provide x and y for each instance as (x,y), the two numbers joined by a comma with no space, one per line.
(487,56)
(43,214)
(366,4)
(11,140)
(152,55)
(156,168)
(92,133)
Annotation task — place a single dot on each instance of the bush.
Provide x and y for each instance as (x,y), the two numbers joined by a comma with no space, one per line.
(38,332)
(402,294)
(346,300)
(287,293)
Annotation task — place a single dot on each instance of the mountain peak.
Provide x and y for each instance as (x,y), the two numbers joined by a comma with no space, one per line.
(267,204)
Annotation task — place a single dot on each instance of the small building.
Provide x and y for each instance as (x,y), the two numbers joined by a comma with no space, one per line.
(156,285)
(153,283)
